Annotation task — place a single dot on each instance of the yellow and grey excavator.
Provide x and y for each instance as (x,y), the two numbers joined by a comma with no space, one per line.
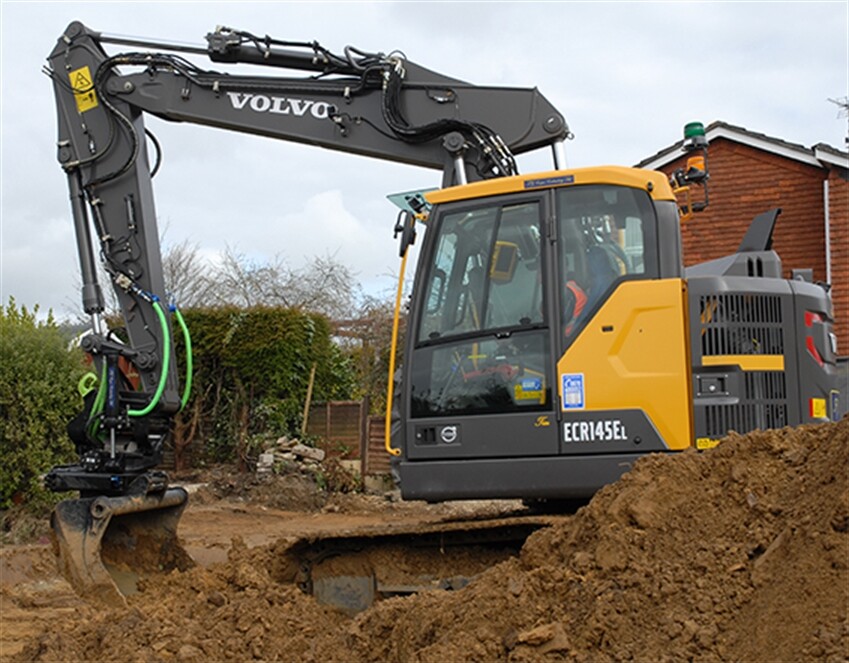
(554,336)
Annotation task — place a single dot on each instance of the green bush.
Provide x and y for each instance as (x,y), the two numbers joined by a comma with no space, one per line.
(38,396)
(252,370)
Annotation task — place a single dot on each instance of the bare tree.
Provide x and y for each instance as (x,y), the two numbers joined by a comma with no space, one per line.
(324,286)
(186,275)
(243,282)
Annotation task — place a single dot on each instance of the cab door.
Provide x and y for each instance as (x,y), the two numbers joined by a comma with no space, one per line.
(481,369)
(623,372)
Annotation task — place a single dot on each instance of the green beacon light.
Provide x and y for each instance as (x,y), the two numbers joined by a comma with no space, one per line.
(693,129)
(694,136)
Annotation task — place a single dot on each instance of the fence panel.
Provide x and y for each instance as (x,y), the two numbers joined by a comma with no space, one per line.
(376,459)
(341,425)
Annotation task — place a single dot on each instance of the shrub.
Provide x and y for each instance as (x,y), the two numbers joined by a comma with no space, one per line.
(252,369)
(38,396)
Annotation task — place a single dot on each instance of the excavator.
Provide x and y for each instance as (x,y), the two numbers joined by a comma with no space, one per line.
(553,335)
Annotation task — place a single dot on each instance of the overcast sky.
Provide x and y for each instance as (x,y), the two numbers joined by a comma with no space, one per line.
(627,77)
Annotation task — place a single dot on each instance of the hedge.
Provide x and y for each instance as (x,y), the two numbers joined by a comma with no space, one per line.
(252,369)
(38,396)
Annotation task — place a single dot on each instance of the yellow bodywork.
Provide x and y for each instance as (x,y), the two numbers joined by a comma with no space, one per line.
(747,362)
(649,180)
(634,354)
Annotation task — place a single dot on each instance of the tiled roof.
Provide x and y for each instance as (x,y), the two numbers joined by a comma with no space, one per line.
(818,155)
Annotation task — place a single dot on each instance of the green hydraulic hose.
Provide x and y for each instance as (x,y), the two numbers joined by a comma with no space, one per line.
(97,406)
(166,358)
(187,389)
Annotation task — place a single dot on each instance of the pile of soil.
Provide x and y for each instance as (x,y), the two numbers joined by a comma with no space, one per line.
(736,554)
(739,553)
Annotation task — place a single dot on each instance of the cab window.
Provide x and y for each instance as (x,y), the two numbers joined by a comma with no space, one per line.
(602,239)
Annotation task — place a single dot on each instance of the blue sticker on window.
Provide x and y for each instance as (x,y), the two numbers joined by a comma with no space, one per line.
(549,181)
(531,384)
(573,391)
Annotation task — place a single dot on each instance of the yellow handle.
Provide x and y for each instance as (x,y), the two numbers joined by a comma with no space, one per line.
(389,389)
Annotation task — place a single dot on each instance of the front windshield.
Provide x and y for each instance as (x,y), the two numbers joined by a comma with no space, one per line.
(482,344)
(486,272)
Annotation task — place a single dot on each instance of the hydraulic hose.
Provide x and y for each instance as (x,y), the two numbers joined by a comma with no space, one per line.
(187,338)
(97,406)
(166,359)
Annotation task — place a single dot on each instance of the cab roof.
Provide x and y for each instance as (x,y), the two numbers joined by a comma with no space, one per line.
(652,181)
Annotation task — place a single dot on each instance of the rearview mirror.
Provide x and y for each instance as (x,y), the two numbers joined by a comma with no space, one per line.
(405,225)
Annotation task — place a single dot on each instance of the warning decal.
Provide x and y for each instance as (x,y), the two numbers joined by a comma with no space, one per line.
(83,89)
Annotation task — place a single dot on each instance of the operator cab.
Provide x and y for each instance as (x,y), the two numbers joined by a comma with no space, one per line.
(501,294)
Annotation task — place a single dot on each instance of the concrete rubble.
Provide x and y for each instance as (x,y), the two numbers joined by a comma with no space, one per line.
(285,452)
(284,455)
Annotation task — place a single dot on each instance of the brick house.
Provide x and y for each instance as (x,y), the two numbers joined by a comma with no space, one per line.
(752,173)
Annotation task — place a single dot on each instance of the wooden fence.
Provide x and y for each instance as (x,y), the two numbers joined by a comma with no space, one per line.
(349,433)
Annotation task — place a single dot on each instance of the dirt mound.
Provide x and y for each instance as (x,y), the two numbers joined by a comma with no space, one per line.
(739,553)
(232,611)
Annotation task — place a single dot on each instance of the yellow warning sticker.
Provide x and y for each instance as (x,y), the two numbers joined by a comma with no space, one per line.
(83,89)
(818,408)
(521,394)
(706,443)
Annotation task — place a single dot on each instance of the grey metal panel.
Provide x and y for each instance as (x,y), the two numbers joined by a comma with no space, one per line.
(756,323)
(608,431)
(764,316)
(669,252)
(815,379)
(482,436)
(541,477)
(842,386)
(761,264)
(719,284)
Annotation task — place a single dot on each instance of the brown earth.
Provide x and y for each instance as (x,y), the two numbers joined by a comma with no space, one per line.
(739,553)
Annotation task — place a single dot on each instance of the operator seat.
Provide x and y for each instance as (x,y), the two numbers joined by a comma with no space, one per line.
(601,272)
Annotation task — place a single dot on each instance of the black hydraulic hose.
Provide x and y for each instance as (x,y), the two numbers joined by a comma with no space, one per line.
(492,148)
(158,149)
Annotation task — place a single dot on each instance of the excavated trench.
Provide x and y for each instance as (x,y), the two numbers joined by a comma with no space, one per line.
(353,570)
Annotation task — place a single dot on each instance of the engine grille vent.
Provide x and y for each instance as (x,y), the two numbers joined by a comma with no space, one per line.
(763,406)
(747,324)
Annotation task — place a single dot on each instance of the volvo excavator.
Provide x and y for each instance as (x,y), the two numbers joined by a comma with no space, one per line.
(554,336)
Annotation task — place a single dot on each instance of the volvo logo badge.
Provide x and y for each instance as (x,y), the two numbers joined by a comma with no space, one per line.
(448,434)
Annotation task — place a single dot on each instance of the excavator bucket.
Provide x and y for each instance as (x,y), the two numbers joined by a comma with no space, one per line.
(104,545)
